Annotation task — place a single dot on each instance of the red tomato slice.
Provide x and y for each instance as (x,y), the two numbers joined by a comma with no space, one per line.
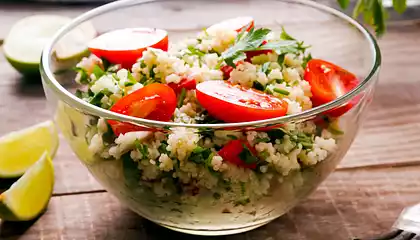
(155,101)
(237,24)
(188,84)
(328,82)
(230,152)
(234,103)
(125,46)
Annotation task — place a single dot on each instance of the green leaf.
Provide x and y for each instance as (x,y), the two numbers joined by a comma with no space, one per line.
(266,140)
(84,78)
(281,47)
(200,155)
(245,42)
(181,97)
(233,137)
(281,91)
(306,59)
(258,86)
(285,36)
(143,149)
(246,156)
(195,51)
(379,17)
(130,170)
(105,63)
(265,67)
(131,77)
(96,99)
(399,5)
(343,3)
(108,137)
(128,84)
(162,147)
(359,8)
(97,71)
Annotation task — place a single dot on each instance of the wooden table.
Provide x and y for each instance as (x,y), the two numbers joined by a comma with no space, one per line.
(377,179)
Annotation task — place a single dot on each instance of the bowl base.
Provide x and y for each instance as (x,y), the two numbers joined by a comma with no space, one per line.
(204,232)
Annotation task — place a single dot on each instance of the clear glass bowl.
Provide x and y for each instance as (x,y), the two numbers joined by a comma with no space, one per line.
(333,37)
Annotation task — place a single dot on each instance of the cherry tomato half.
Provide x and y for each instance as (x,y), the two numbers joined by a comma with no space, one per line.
(232,150)
(234,103)
(237,24)
(125,46)
(155,101)
(188,84)
(328,82)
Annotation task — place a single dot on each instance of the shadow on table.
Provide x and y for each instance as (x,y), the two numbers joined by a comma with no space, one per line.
(129,226)
(14,230)
(29,86)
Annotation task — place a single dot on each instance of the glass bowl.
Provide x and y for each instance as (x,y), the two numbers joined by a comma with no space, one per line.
(193,198)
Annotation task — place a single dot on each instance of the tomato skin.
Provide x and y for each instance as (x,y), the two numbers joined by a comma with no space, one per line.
(126,58)
(234,103)
(155,101)
(188,84)
(226,70)
(230,153)
(328,82)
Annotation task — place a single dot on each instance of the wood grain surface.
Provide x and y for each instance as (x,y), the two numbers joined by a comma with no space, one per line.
(376,180)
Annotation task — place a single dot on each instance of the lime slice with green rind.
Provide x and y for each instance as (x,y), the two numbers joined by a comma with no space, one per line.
(24,44)
(29,196)
(21,149)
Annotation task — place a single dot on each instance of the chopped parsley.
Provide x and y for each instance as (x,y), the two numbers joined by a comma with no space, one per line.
(258,86)
(265,67)
(246,156)
(84,78)
(142,148)
(233,137)
(200,155)
(108,137)
(281,91)
(162,147)
(195,51)
(98,71)
(181,97)
(266,140)
(130,170)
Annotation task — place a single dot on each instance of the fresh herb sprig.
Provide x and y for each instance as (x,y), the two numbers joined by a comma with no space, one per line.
(374,12)
(253,41)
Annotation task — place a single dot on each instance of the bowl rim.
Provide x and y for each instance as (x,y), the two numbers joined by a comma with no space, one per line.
(49,81)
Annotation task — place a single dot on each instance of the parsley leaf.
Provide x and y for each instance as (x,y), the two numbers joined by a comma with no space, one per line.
(130,170)
(375,14)
(285,36)
(344,3)
(98,72)
(245,42)
(200,155)
(265,67)
(195,51)
(181,97)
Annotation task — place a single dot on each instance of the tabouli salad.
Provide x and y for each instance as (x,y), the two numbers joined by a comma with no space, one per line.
(230,72)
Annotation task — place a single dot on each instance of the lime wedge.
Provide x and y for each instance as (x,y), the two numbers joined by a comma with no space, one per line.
(21,149)
(24,43)
(29,196)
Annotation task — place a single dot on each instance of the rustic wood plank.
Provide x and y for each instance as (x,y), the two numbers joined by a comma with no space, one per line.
(349,204)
